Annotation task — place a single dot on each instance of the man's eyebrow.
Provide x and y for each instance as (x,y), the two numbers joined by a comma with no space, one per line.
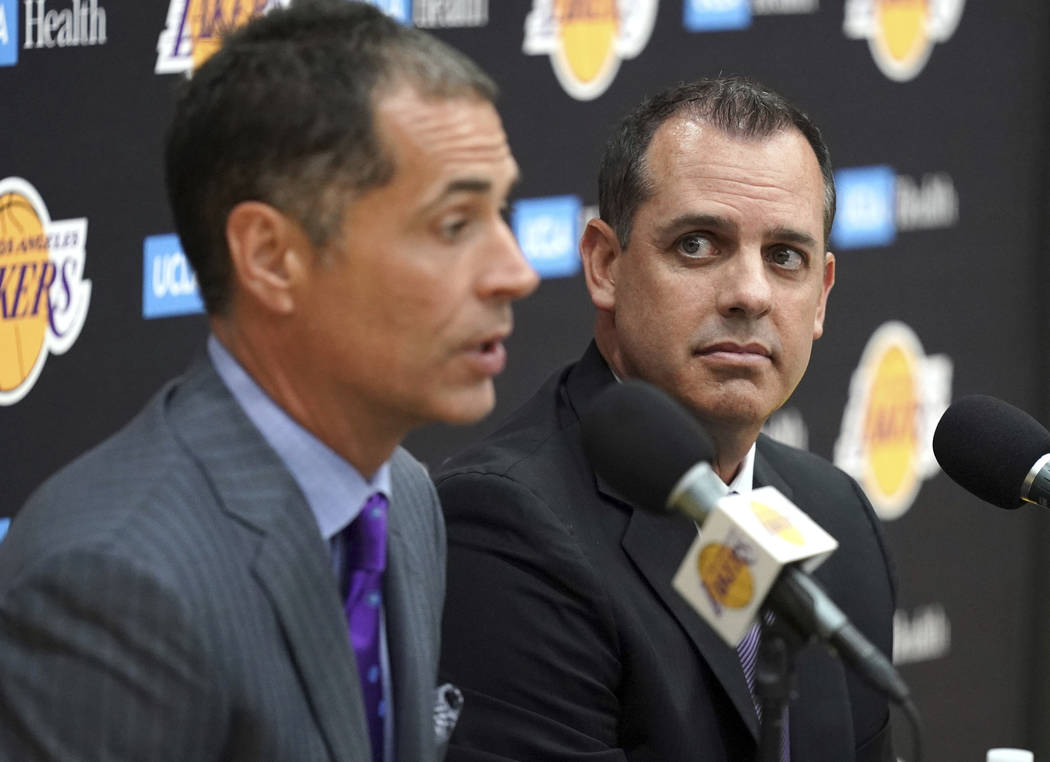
(790,235)
(706,221)
(719,223)
(467,185)
(478,185)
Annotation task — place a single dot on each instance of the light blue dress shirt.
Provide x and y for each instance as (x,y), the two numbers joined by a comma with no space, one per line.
(333,488)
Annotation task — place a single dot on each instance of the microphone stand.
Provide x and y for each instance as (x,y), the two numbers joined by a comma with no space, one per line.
(775,683)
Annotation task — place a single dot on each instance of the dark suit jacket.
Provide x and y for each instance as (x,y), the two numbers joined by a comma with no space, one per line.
(564,633)
(168,596)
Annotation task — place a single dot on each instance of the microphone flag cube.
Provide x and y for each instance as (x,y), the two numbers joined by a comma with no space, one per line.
(738,554)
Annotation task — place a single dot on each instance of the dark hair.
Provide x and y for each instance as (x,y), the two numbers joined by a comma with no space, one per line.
(283,113)
(737,105)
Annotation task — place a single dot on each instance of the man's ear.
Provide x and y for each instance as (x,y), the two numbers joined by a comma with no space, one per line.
(265,248)
(828,281)
(600,253)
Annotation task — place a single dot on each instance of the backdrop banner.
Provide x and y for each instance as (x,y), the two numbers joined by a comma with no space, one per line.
(936,112)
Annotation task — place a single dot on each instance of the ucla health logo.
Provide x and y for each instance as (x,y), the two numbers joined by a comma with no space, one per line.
(865,213)
(875,204)
(896,396)
(587,39)
(8,32)
(431,14)
(79,23)
(547,231)
(194,30)
(400,10)
(901,33)
(712,15)
(721,15)
(43,295)
(169,285)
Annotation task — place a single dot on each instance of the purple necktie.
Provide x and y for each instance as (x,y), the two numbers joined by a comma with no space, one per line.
(366,560)
(747,650)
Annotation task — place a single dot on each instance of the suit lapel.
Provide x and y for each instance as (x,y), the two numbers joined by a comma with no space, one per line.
(767,476)
(408,594)
(291,561)
(656,545)
(822,708)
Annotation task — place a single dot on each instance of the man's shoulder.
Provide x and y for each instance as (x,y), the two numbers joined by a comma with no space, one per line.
(531,438)
(142,476)
(126,462)
(798,466)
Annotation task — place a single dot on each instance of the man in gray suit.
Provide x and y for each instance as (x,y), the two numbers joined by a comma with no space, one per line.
(208,584)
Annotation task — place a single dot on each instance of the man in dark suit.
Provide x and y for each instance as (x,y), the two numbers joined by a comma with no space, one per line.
(252,569)
(709,271)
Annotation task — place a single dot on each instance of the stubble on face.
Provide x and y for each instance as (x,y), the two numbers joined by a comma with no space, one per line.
(721,289)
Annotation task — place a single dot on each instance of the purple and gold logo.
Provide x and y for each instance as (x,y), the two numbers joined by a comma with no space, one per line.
(43,295)
(587,39)
(897,395)
(194,30)
(725,574)
(901,33)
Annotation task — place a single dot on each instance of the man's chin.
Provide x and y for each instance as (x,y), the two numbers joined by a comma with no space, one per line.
(731,412)
(468,406)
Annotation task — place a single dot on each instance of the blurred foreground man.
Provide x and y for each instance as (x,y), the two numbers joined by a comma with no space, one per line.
(252,569)
(710,274)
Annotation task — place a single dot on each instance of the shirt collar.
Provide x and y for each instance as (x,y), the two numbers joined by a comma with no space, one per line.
(333,488)
(744,481)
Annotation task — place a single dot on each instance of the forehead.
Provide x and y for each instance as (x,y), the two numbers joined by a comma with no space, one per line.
(691,162)
(441,135)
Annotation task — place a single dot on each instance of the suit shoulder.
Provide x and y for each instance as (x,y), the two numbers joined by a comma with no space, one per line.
(138,494)
(801,465)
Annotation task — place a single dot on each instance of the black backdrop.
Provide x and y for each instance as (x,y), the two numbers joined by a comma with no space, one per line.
(937,110)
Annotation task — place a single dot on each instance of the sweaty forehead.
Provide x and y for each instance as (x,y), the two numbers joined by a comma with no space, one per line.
(689,158)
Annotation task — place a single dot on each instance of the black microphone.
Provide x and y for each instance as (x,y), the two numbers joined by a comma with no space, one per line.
(995,451)
(655,453)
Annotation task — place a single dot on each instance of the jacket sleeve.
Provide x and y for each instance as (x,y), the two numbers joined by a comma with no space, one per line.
(98,663)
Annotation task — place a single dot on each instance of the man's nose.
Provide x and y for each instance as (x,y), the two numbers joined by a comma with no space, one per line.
(745,288)
(509,275)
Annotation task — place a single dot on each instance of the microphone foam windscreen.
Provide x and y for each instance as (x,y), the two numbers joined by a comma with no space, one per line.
(642,442)
(988,446)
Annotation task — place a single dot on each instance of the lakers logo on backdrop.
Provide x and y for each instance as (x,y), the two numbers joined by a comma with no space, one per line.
(901,33)
(43,296)
(897,395)
(587,39)
(194,29)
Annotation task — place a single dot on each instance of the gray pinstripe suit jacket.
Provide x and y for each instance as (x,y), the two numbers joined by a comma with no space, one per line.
(168,596)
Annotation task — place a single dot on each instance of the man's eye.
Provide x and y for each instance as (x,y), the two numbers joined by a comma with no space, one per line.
(788,259)
(694,245)
(451,228)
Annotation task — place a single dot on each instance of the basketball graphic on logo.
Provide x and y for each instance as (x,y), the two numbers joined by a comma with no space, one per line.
(587,31)
(903,25)
(209,20)
(777,524)
(725,575)
(37,254)
(587,39)
(890,424)
(23,324)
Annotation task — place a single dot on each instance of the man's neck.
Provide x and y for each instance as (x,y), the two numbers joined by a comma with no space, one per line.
(731,447)
(360,439)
